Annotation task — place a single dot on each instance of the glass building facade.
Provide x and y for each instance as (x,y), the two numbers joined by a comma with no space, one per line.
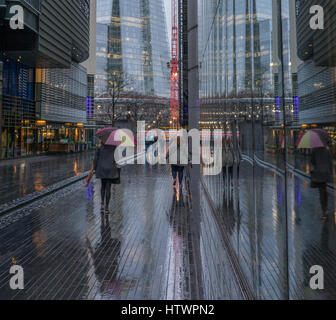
(18,108)
(41,107)
(267,78)
(43,87)
(60,85)
(132,40)
(239,58)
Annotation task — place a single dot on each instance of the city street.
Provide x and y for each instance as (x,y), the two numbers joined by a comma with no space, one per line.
(147,249)
(116,120)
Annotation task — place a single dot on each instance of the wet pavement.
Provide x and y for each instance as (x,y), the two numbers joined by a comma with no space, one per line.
(22,177)
(253,213)
(69,250)
(148,249)
(299,162)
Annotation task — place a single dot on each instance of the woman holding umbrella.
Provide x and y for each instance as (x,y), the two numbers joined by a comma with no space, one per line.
(322,164)
(105,166)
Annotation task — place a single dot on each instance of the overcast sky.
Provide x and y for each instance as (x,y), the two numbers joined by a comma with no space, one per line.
(168,13)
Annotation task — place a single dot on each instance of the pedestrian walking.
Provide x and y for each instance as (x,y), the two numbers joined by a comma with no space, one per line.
(104,165)
(228,162)
(322,174)
(105,168)
(178,168)
(238,159)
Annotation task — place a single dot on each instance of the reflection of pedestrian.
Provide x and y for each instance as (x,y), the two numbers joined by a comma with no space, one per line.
(238,159)
(106,256)
(321,174)
(228,161)
(106,169)
(178,168)
(229,218)
(177,171)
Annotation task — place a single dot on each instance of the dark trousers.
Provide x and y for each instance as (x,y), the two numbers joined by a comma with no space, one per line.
(106,191)
(230,171)
(323,197)
(178,170)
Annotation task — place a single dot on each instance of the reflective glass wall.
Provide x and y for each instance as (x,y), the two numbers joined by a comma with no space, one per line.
(267,79)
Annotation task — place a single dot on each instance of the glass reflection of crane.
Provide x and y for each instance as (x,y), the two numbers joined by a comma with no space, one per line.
(173,65)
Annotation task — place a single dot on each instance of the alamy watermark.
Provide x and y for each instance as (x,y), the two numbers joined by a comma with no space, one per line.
(317,20)
(317,281)
(176,148)
(16,21)
(16,281)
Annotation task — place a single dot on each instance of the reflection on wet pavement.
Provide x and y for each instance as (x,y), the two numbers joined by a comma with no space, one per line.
(146,248)
(253,214)
(21,177)
(69,250)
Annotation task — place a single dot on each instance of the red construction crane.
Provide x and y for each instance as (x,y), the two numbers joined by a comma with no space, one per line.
(175,73)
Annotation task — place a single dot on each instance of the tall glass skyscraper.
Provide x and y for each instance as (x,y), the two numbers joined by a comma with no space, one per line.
(132,39)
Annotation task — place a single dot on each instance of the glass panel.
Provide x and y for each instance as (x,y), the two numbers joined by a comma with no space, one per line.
(268,79)
(310,97)
(240,86)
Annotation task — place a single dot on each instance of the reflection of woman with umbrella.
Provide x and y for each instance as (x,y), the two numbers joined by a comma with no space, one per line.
(322,166)
(106,257)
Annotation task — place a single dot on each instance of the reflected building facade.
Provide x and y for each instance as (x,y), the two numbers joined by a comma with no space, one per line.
(132,40)
(246,74)
(240,63)
(236,55)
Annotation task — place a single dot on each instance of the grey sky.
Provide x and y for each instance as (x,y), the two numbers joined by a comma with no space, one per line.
(168,13)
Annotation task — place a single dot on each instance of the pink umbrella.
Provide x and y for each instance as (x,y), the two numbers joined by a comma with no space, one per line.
(310,140)
(104,134)
(119,136)
(106,129)
(324,135)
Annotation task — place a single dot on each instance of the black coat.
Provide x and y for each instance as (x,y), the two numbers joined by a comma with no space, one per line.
(322,162)
(104,163)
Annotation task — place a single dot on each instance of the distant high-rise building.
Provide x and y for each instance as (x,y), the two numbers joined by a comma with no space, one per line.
(132,40)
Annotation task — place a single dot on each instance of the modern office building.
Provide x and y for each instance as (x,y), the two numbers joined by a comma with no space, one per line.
(90,66)
(317,70)
(132,40)
(240,64)
(44,89)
